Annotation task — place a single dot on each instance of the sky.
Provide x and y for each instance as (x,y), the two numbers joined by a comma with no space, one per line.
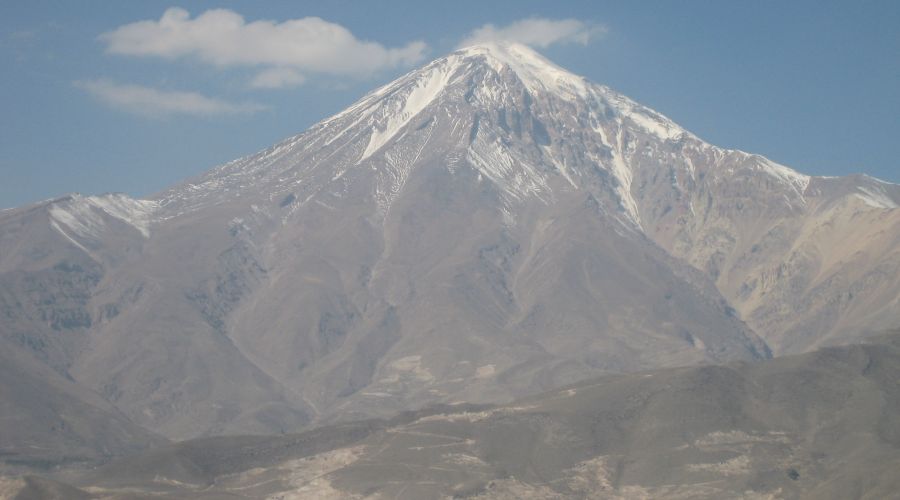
(133,97)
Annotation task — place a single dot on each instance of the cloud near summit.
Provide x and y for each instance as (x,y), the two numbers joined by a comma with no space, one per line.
(536,32)
(282,52)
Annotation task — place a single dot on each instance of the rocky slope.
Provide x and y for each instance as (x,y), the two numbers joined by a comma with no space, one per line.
(822,425)
(51,422)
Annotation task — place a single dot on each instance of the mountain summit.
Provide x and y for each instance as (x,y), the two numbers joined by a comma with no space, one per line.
(485,227)
(509,86)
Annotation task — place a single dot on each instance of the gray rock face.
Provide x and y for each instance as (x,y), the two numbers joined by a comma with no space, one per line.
(485,227)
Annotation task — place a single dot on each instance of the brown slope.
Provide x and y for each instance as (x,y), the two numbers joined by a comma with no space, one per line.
(51,422)
(819,425)
(805,261)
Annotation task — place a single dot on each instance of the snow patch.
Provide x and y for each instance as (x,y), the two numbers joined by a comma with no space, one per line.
(399,163)
(397,114)
(514,177)
(72,240)
(875,197)
(561,167)
(137,213)
(645,118)
(787,175)
(621,171)
(880,181)
(85,216)
(660,128)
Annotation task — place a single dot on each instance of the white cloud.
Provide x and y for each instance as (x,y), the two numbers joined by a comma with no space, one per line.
(537,32)
(276,78)
(223,38)
(148,101)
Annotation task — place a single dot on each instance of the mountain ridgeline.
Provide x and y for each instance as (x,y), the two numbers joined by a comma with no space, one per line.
(484,228)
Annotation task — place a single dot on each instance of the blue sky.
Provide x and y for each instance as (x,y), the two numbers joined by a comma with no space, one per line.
(92,102)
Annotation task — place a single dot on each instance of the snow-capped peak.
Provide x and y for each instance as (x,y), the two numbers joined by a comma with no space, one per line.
(541,75)
(535,71)
(502,108)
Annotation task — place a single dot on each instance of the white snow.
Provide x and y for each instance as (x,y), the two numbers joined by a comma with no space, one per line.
(62,231)
(799,181)
(536,72)
(621,171)
(398,113)
(137,213)
(875,198)
(399,163)
(880,181)
(78,215)
(84,216)
(561,167)
(513,176)
(645,118)
(623,174)
(660,128)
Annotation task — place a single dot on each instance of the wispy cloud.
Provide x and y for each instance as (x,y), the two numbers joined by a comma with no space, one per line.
(148,101)
(276,78)
(283,51)
(537,32)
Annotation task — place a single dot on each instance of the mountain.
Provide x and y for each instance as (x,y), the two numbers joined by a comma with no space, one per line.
(51,422)
(485,227)
(821,425)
